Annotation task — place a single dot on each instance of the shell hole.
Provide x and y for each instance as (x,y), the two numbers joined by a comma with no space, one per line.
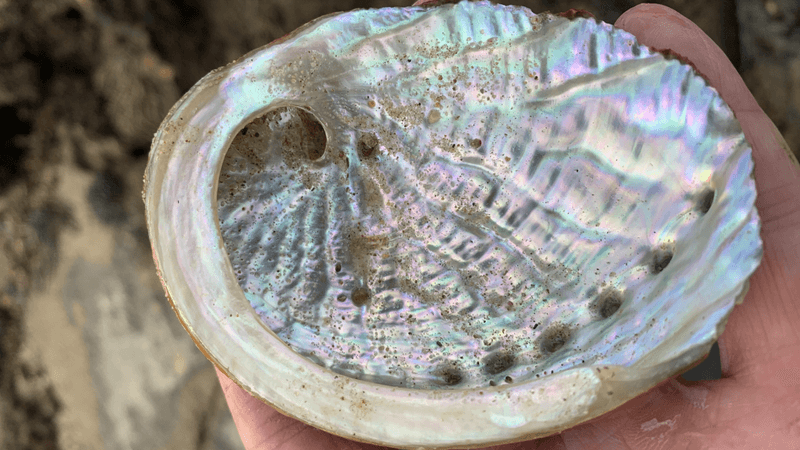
(452,376)
(360,296)
(705,200)
(498,362)
(313,137)
(338,267)
(367,146)
(554,338)
(661,259)
(608,302)
(449,375)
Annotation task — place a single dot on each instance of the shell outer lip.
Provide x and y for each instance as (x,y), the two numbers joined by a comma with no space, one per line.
(305,391)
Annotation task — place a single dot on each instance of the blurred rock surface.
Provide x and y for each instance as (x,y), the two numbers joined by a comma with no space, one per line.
(770,64)
(91,356)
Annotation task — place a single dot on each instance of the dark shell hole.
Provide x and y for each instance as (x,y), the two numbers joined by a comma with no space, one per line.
(498,362)
(661,259)
(367,146)
(555,338)
(360,296)
(451,376)
(705,200)
(608,303)
(313,134)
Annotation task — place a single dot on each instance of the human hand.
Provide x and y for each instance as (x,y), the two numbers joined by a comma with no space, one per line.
(756,404)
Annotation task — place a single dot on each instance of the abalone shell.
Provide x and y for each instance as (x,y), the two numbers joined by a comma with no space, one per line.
(471,222)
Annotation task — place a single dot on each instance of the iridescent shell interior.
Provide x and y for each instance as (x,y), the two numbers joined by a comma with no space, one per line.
(495,211)
(461,198)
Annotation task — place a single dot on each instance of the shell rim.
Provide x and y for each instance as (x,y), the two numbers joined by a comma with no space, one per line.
(653,374)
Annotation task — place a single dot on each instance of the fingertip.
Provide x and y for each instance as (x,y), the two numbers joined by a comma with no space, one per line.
(662,28)
(223,379)
(648,11)
(233,393)
(746,343)
(252,417)
(231,390)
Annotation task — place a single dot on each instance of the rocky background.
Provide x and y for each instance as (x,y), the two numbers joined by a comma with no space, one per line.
(91,356)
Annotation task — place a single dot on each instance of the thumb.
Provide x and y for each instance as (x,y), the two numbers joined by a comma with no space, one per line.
(763,329)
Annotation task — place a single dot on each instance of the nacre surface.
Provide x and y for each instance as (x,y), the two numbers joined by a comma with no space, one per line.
(471,222)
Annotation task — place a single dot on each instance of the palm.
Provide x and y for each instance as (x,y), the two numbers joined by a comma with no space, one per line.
(755,404)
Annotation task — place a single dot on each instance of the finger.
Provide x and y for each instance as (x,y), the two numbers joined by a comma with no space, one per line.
(710,414)
(660,27)
(262,427)
(766,322)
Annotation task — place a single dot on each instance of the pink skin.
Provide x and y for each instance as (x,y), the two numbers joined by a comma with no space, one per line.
(756,404)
